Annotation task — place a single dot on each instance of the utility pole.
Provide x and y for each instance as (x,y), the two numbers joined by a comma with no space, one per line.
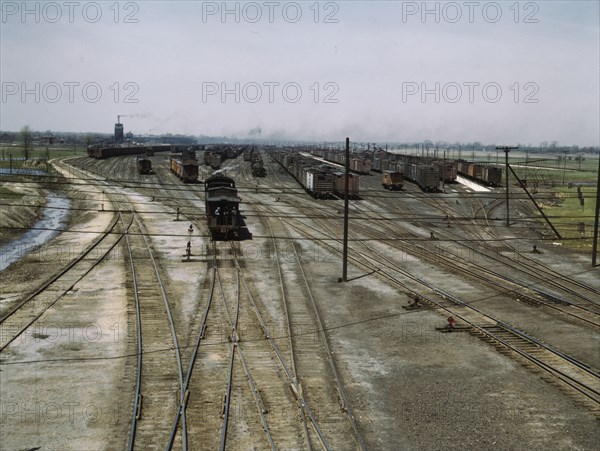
(346,193)
(564,167)
(444,172)
(595,242)
(506,149)
(526,162)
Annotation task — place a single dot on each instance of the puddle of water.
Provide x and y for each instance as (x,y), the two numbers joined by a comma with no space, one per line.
(20,171)
(54,217)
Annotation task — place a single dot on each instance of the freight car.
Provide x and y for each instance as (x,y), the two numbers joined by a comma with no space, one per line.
(186,170)
(213,160)
(482,173)
(100,152)
(144,166)
(222,206)
(321,181)
(339,186)
(216,154)
(392,180)
(448,170)
(358,163)
(426,177)
(316,182)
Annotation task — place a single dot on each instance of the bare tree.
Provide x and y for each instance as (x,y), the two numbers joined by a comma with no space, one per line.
(27,141)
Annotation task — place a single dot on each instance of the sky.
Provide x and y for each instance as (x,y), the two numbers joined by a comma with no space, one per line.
(501,72)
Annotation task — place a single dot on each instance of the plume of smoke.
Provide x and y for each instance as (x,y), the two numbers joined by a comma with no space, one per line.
(256,131)
(137,115)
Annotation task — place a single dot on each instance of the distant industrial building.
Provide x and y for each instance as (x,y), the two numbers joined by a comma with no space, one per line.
(47,140)
(119,134)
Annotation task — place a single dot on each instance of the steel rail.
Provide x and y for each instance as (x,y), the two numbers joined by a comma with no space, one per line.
(236,346)
(572,382)
(184,398)
(280,358)
(170,317)
(71,286)
(62,271)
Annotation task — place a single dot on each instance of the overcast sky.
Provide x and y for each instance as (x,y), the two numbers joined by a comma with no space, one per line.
(495,72)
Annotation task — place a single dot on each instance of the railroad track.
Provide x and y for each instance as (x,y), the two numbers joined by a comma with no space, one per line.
(524,291)
(576,378)
(159,372)
(26,312)
(294,386)
(524,261)
(158,350)
(158,368)
(538,269)
(236,432)
(203,414)
(308,339)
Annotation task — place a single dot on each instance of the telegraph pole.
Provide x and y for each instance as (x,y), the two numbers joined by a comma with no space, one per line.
(346,195)
(595,242)
(444,172)
(564,167)
(506,149)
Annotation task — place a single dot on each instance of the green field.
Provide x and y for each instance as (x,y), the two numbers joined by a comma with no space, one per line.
(42,152)
(37,157)
(574,221)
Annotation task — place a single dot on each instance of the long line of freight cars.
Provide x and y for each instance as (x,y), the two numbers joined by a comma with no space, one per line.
(216,154)
(100,152)
(426,172)
(319,179)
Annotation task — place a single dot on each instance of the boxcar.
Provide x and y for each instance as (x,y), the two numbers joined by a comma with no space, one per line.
(392,180)
(317,183)
(427,177)
(353,185)
(493,175)
(186,170)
